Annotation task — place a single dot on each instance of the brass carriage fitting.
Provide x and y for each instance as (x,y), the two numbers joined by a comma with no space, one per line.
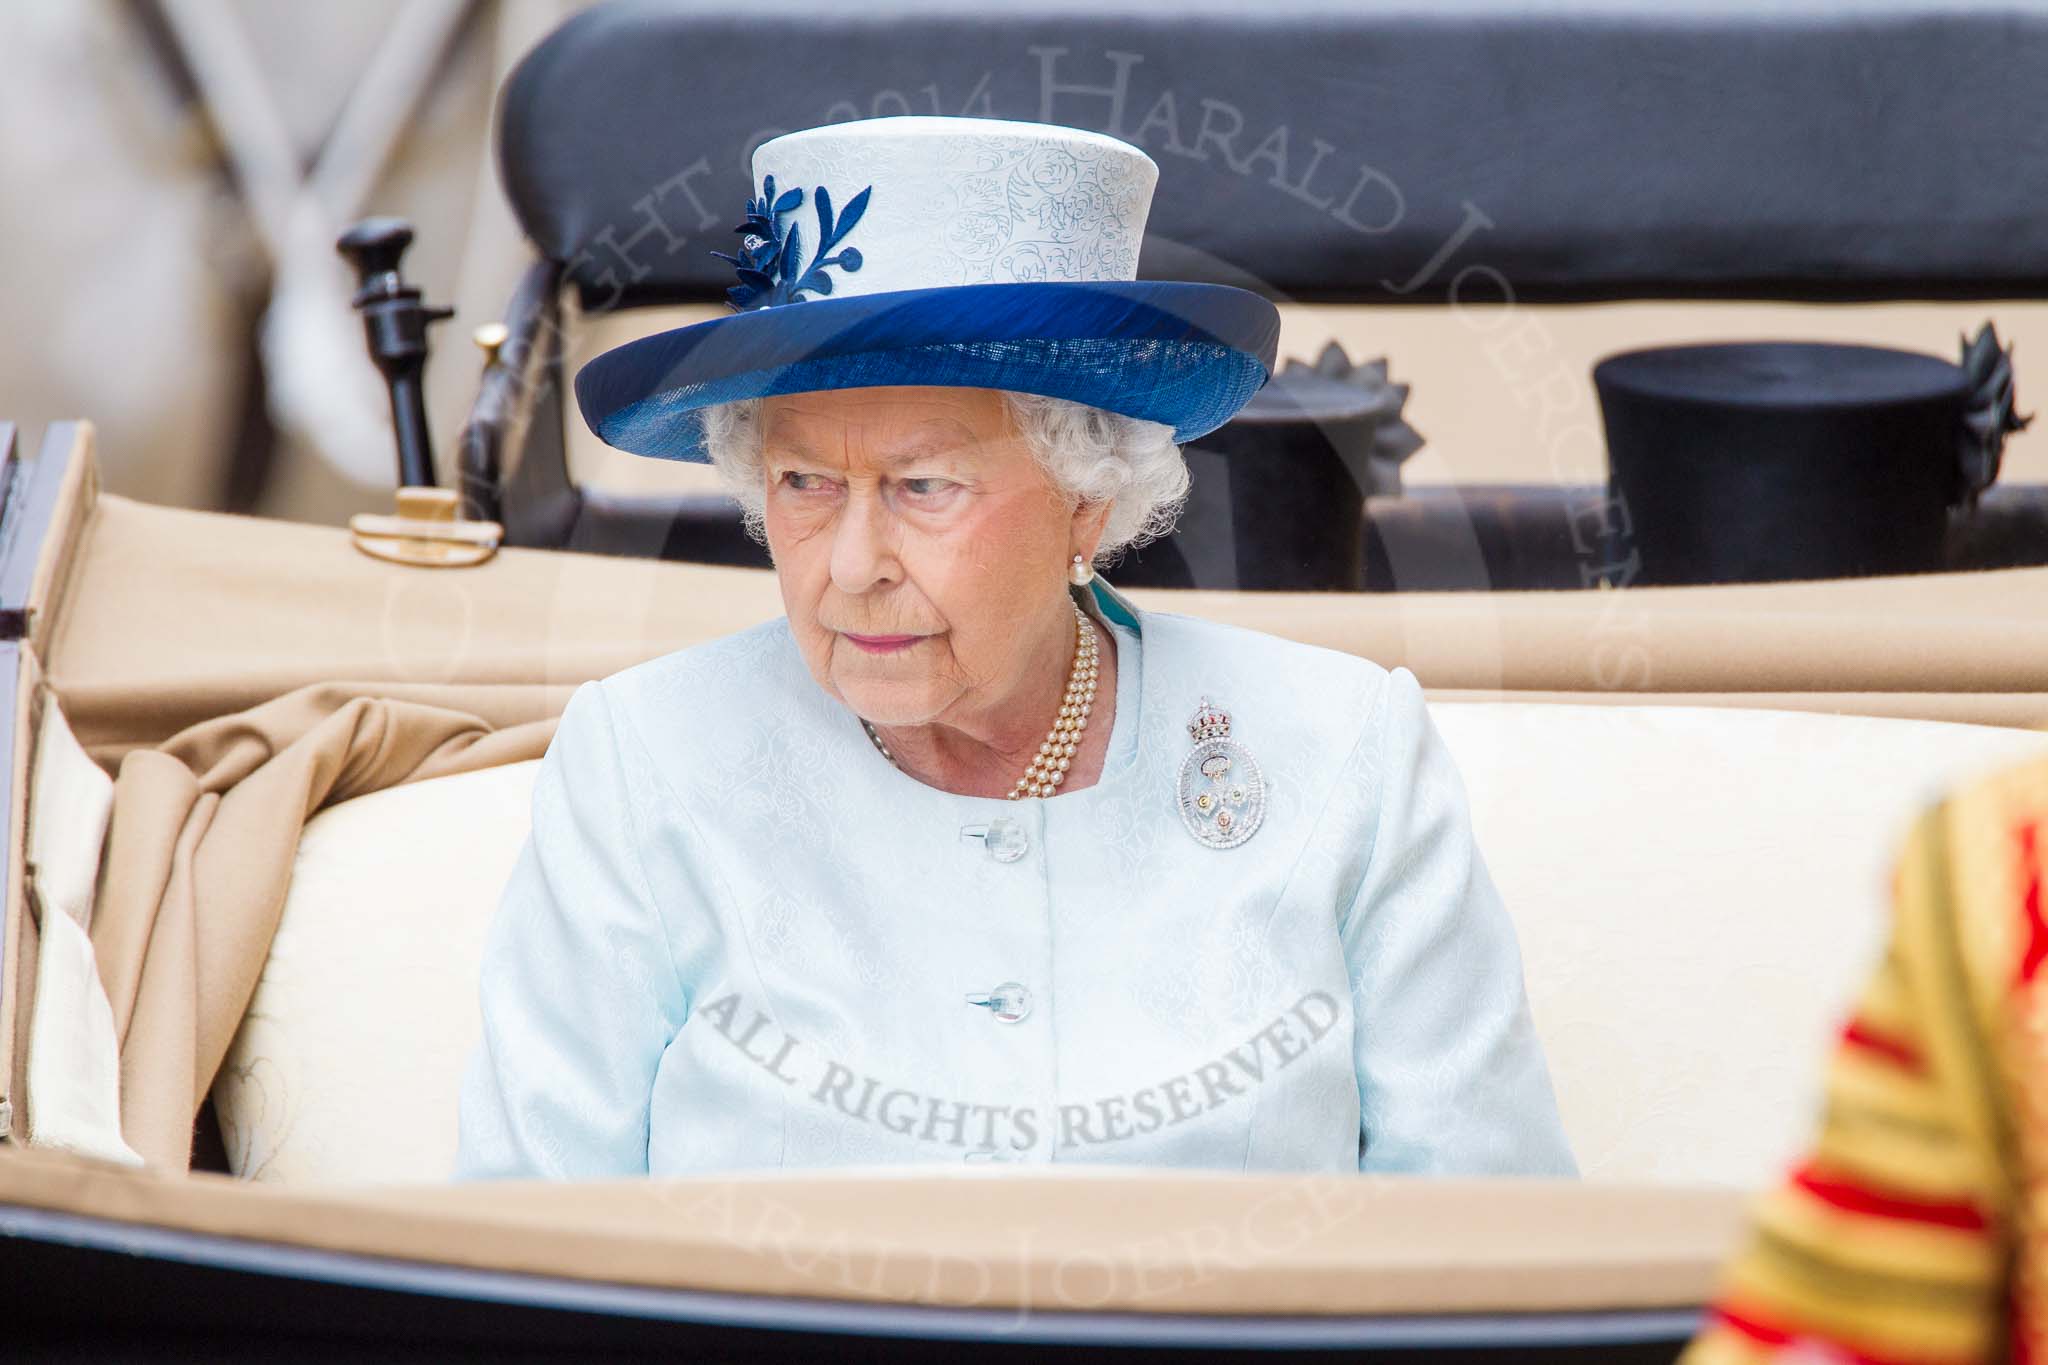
(426,531)
(490,339)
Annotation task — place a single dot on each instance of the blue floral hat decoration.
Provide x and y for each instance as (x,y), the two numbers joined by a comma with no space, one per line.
(982,253)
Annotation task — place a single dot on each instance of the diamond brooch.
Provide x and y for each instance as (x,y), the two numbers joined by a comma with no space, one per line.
(1222,792)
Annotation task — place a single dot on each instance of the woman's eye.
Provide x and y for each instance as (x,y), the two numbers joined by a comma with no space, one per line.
(801,482)
(921,488)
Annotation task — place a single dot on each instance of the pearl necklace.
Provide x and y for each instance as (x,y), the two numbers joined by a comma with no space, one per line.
(1056,754)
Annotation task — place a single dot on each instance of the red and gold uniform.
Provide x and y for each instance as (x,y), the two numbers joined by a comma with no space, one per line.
(1916,1229)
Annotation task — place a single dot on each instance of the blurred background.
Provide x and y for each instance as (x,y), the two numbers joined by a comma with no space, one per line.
(176,174)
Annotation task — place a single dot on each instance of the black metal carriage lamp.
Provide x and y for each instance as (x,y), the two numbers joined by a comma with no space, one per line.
(426,528)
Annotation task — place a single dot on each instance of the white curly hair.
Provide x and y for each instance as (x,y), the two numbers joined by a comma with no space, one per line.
(1090,454)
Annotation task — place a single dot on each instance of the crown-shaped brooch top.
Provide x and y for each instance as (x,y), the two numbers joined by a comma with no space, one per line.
(1210,722)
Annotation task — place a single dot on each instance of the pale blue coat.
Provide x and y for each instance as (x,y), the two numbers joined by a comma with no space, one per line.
(738,937)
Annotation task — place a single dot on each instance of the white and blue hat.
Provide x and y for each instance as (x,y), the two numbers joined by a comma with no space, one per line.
(982,253)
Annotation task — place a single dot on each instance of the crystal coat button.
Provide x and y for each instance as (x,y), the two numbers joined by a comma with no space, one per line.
(1001,838)
(1009,1002)
(1006,841)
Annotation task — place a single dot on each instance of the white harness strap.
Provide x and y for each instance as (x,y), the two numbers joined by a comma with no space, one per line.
(320,390)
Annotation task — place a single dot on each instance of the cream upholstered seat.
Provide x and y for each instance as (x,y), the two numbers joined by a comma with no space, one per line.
(1697,892)
(346,1063)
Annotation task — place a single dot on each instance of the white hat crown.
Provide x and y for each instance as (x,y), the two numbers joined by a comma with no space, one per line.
(914,202)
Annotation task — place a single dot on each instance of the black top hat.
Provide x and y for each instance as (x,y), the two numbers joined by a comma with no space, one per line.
(1760,461)
(1278,495)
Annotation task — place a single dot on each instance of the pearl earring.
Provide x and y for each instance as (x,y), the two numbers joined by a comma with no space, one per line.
(1082,573)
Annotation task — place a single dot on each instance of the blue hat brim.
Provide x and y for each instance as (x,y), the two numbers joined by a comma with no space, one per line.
(1188,355)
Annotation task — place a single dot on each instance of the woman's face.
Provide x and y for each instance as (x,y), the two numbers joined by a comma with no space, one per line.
(922,553)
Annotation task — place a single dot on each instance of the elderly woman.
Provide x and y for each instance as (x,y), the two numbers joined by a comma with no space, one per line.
(965,858)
